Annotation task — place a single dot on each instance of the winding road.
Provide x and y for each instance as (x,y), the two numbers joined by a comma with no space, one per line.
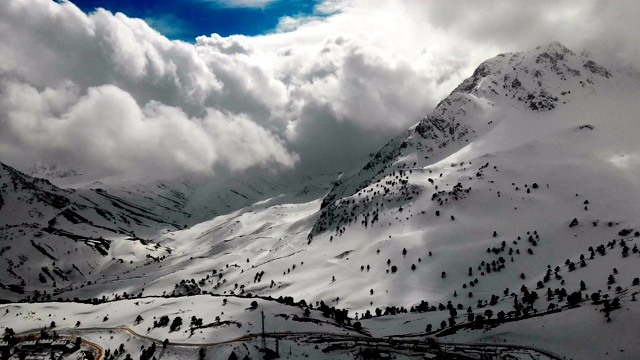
(460,348)
(97,347)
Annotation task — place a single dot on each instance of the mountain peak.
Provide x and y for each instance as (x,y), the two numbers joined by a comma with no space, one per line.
(554,47)
(536,78)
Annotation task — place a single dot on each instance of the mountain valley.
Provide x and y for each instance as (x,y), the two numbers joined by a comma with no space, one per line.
(504,223)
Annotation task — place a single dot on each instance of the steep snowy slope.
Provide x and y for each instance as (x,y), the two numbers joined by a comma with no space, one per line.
(539,80)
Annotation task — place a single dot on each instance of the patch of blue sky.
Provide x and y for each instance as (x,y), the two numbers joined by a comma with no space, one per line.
(188,19)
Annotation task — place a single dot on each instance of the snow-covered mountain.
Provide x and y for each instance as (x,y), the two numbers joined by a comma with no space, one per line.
(538,81)
(515,200)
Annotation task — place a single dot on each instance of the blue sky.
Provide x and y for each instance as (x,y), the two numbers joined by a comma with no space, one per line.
(187,19)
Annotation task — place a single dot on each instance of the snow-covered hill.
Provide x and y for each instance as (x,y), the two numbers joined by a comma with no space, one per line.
(516,200)
(57,240)
(53,238)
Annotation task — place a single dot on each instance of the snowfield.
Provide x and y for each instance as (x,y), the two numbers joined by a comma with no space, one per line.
(508,216)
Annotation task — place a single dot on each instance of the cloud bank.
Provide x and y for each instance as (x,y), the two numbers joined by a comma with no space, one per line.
(110,95)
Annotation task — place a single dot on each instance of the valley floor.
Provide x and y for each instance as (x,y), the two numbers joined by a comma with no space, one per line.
(572,333)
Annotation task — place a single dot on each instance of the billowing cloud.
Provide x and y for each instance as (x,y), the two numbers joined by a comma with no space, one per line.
(110,95)
(107,93)
(105,131)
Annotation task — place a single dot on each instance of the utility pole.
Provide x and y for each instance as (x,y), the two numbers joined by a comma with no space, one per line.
(264,340)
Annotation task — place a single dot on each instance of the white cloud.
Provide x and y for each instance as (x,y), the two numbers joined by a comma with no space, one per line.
(106,130)
(108,93)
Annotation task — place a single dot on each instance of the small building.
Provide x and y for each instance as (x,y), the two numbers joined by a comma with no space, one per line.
(70,347)
(64,345)
(29,345)
(60,344)
(45,343)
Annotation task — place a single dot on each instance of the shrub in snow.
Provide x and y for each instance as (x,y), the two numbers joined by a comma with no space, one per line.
(186,289)
(164,321)
(574,222)
(574,298)
(177,322)
(625,232)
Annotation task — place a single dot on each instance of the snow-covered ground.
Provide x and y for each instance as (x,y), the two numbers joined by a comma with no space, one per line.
(474,206)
